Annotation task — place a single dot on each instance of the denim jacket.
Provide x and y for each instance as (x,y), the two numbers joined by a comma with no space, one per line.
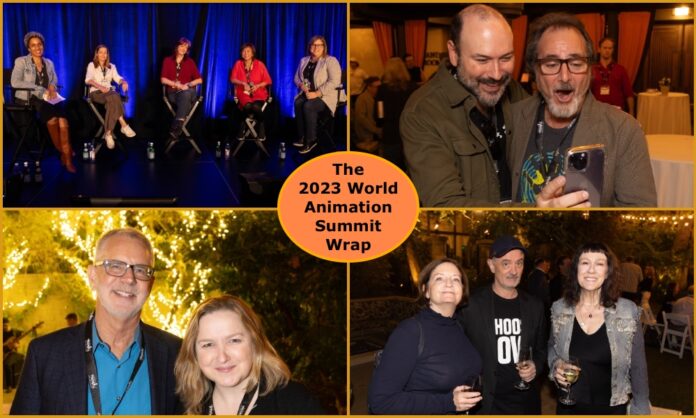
(629,371)
(24,76)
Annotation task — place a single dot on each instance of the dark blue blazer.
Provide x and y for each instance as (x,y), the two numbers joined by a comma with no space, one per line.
(54,380)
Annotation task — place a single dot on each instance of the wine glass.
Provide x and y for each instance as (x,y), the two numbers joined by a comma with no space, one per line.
(474,383)
(524,361)
(571,373)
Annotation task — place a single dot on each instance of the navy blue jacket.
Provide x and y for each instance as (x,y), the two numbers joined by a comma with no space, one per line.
(406,382)
(54,380)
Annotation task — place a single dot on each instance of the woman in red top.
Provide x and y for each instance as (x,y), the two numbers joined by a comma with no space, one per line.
(250,78)
(181,76)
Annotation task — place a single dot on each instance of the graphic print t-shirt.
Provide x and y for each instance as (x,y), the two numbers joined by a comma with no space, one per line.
(533,176)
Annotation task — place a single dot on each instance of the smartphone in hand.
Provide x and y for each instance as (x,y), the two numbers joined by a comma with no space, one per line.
(584,170)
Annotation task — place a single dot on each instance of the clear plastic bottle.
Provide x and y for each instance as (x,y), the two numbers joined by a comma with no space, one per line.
(150,151)
(218,150)
(281,151)
(38,175)
(228,150)
(26,173)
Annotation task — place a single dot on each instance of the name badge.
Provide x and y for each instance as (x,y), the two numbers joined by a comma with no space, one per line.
(604,90)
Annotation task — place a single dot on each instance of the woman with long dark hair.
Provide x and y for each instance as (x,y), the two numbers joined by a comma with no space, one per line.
(603,333)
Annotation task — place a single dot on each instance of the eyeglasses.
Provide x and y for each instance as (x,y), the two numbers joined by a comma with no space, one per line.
(118,268)
(317,45)
(552,66)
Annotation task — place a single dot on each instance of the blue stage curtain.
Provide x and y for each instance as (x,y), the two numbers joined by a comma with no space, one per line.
(139,36)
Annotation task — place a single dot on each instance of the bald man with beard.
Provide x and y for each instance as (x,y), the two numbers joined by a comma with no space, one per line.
(454,127)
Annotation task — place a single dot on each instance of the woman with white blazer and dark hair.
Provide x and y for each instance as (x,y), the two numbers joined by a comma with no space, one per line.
(317,76)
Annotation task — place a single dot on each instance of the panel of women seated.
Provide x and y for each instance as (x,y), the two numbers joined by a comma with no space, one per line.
(318,76)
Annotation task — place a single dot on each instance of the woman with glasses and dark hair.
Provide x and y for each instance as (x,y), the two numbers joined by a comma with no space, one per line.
(317,76)
(227,366)
(602,332)
(428,364)
(181,76)
(101,72)
(250,78)
(35,78)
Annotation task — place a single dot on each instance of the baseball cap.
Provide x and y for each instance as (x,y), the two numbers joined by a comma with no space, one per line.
(504,245)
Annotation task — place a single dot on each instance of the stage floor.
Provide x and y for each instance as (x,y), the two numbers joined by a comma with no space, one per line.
(251,179)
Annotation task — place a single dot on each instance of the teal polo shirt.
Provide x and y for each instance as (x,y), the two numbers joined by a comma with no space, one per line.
(113,374)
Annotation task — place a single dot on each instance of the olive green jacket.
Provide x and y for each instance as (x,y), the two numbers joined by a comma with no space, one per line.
(628,176)
(446,154)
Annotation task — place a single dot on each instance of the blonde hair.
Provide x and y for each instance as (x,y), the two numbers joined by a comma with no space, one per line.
(396,74)
(194,388)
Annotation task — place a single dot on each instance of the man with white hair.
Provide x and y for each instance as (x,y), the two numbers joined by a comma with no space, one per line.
(113,363)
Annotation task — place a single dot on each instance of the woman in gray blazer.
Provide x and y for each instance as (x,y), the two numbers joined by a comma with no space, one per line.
(317,77)
(35,78)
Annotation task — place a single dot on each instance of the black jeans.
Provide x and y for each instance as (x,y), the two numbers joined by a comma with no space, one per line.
(253,108)
(307,114)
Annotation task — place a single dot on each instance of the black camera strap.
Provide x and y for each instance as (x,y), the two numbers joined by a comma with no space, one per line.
(92,376)
(547,168)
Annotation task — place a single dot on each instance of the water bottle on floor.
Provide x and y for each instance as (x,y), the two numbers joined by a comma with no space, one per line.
(150,151)
(218,150)
(26,174)
(38,175)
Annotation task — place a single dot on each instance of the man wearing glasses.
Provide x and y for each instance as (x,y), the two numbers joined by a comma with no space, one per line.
(559,55)
(113,363)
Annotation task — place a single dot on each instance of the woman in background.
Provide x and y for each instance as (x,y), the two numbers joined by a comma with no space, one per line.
(428,362)
(227,366)
(395,90)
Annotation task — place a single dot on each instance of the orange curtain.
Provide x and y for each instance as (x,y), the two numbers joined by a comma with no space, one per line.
(594,24)
(416,31)
(383,35)
(519,31)
(633,31)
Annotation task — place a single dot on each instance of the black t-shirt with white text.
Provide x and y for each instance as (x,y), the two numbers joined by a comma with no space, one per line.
(507,328)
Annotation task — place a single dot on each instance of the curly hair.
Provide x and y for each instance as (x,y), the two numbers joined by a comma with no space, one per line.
(194,388)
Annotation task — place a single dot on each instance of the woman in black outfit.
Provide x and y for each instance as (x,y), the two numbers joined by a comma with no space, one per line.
(428,362)
(227,366)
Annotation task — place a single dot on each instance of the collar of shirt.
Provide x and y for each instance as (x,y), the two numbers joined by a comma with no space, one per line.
(114,373)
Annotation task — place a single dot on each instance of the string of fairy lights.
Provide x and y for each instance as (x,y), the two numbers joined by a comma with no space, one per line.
(181,283)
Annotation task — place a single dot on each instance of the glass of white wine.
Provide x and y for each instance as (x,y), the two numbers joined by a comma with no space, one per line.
(524,360)
(571,373)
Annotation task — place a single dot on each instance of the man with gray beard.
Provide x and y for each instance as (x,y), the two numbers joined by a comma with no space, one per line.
(563,115)
(454,127)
